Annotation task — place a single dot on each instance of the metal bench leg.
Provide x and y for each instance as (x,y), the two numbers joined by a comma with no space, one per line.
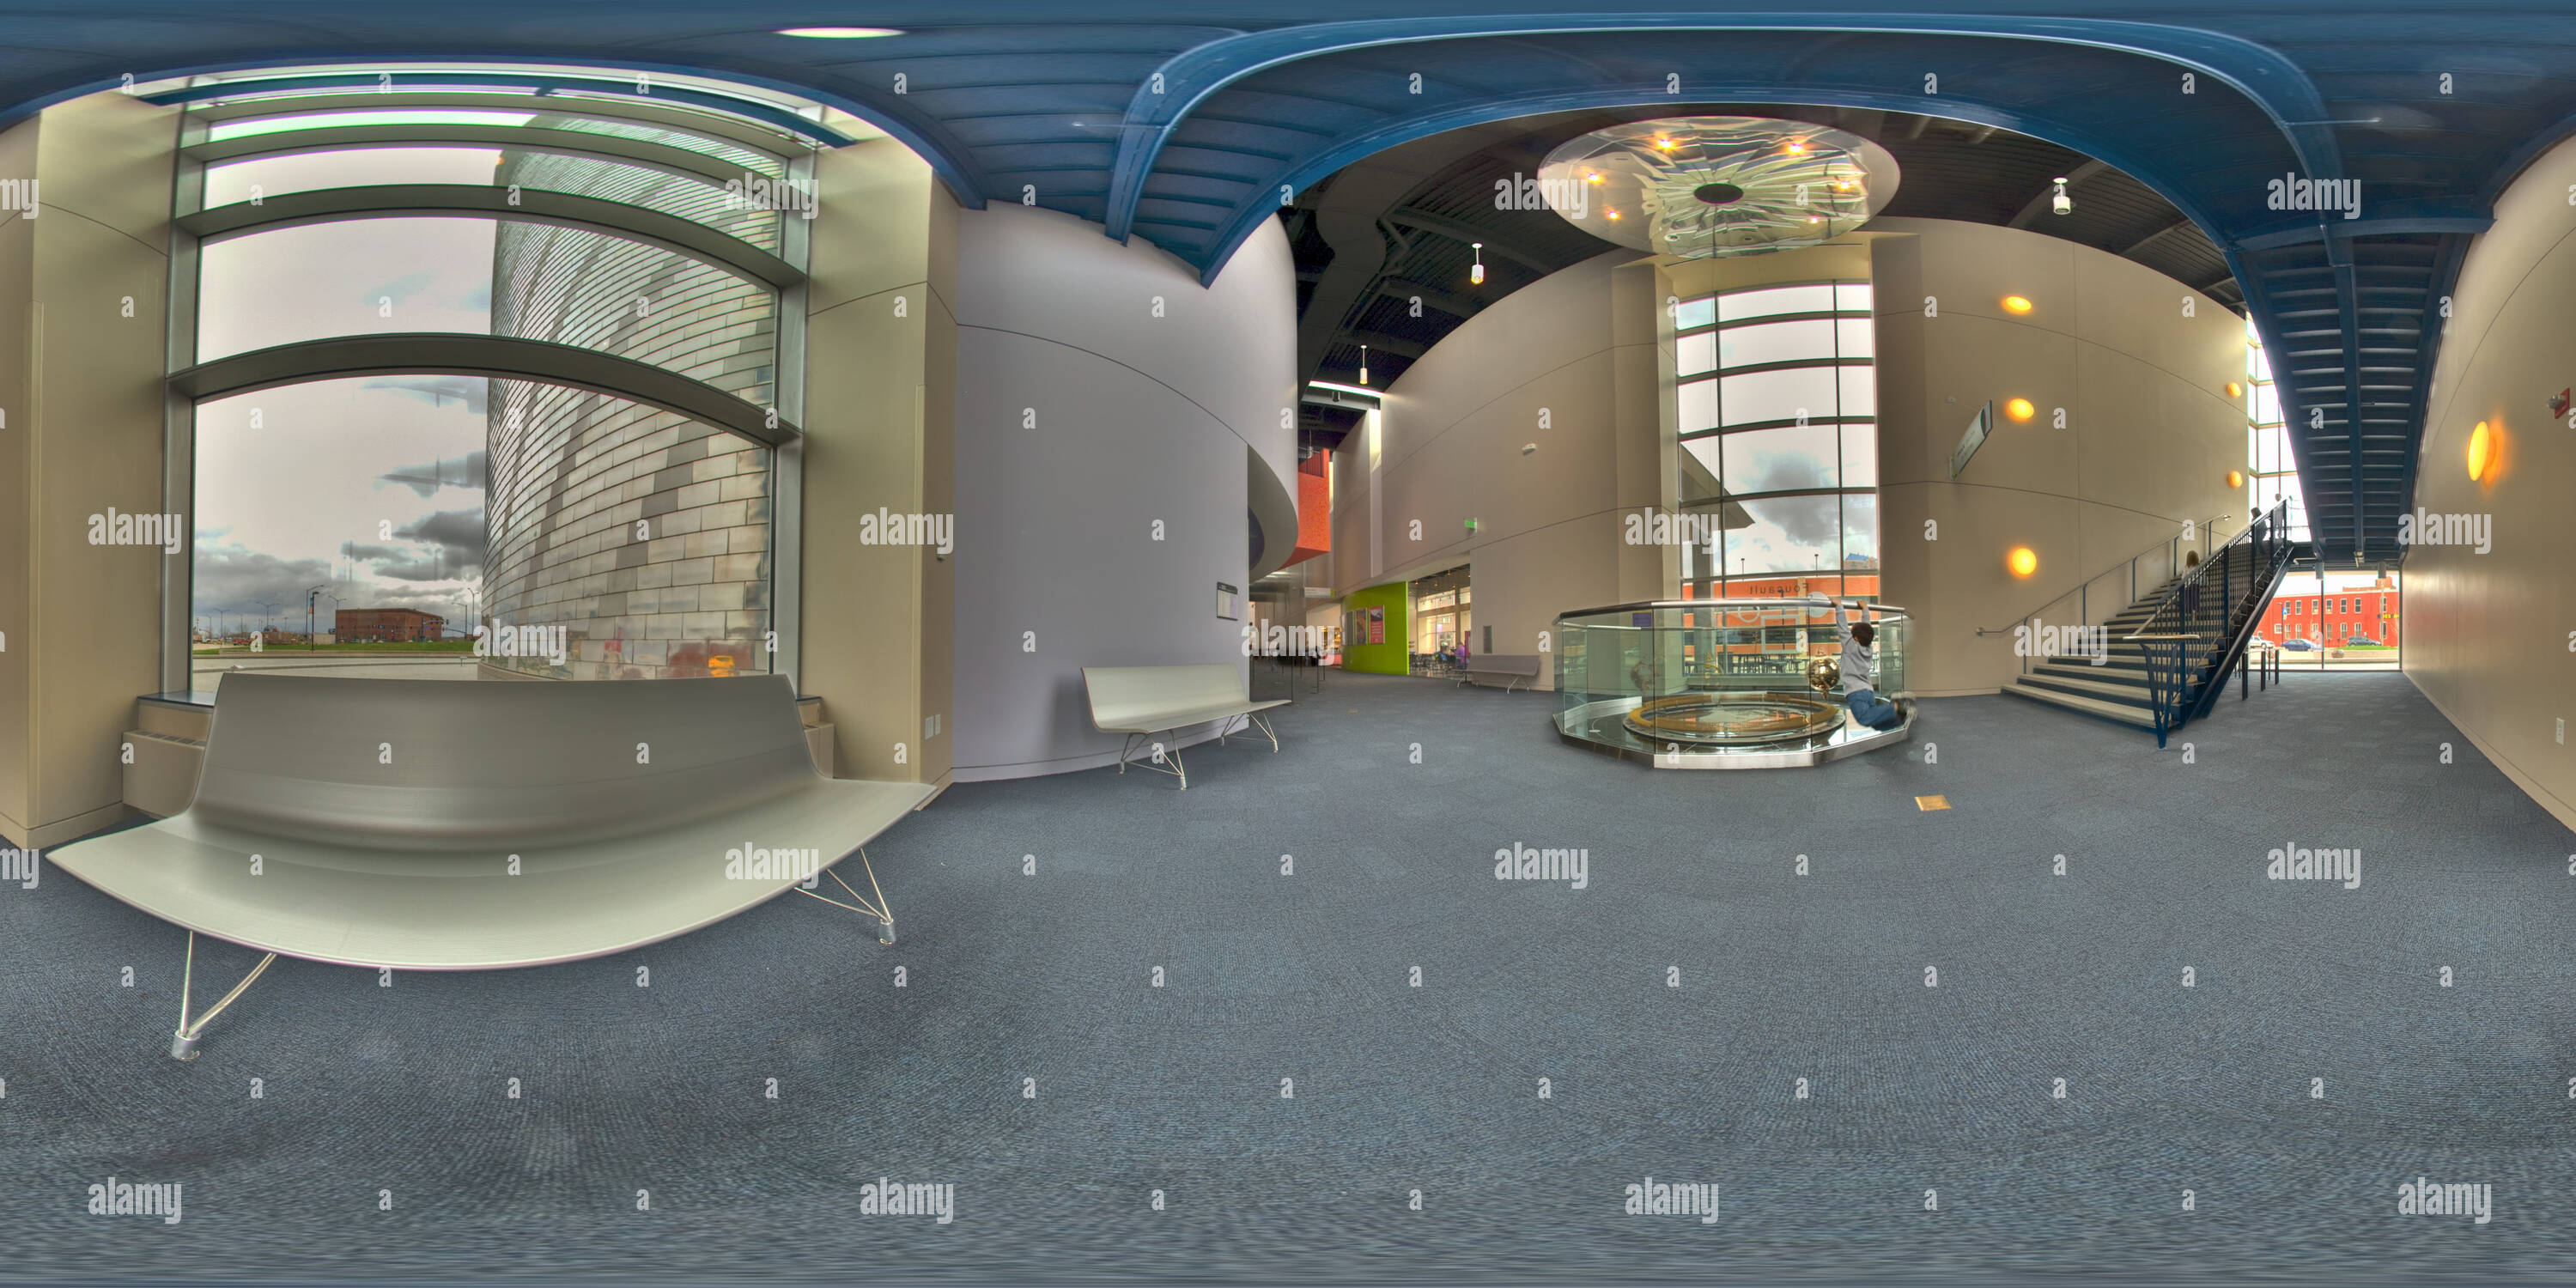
(1176,769)
(1264,726)
(878,910)
(183,1044)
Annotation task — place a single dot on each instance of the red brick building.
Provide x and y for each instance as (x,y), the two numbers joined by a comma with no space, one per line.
(386,626)
(2335,616)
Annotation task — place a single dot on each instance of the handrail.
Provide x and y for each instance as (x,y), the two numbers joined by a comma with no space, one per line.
(2211,526)
(2213,560)
(2179,686)
(1885,612)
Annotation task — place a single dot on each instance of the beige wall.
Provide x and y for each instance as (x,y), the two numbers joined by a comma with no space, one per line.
(880,411)
(2150,434)
(1578,347)
(2487,636)
(81,386)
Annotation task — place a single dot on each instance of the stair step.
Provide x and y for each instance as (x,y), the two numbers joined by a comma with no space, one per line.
(2103,690)
(2079,669)
(2112,711)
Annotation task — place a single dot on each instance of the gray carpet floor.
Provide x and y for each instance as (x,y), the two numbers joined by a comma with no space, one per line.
(401,1091)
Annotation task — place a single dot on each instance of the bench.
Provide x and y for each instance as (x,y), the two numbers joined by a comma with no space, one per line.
(1505,669)
(483,825)
(1141,701)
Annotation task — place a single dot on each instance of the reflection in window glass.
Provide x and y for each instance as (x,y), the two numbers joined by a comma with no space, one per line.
(1702,452)
(1691,313)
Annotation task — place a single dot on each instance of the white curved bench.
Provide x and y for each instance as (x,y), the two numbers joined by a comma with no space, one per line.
(1141,701)
(465,825)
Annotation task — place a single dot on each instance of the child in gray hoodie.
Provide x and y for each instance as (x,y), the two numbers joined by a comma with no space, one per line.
(1859,667)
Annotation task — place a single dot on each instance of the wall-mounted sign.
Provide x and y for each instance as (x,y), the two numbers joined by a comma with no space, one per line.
(1225,601)
(1980,425)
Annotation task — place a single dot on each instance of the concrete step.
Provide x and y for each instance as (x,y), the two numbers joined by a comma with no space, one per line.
(2112,711)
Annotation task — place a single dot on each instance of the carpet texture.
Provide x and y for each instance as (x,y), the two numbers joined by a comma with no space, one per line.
(1670,1009)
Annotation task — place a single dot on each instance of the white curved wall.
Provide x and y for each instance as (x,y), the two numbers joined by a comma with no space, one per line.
(1083,417)
(2486,635)
(2150,436)
(1568,364)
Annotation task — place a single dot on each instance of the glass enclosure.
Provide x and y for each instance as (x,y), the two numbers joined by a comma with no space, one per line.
(1719,683)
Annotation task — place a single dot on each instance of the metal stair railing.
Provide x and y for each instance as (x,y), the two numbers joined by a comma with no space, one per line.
(2180,685)
(2172,547)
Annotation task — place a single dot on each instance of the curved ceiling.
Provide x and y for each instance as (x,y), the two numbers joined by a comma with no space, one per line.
(1189,132)
(1402,224)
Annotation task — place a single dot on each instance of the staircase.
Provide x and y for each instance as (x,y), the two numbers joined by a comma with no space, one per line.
(2132,684)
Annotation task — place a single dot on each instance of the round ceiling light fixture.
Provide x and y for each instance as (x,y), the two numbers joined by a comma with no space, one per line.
(1718,185)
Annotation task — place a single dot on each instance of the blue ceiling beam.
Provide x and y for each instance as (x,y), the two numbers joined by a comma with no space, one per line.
(2264,76)
(1248,216)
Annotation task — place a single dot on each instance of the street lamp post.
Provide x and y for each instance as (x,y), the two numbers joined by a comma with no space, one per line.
(311,599)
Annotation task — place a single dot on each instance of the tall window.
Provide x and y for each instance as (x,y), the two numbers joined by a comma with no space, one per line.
(1779,440)
(2275,472)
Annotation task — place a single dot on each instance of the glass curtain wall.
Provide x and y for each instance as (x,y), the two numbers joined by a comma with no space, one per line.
(1778,460)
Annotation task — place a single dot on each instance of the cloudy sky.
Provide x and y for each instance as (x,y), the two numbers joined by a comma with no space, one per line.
(371,487)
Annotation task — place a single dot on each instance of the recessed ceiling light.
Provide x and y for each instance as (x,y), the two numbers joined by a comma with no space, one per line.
(838,33)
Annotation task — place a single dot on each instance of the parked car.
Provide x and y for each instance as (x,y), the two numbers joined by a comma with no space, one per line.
(2362,641)
(2299,646)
